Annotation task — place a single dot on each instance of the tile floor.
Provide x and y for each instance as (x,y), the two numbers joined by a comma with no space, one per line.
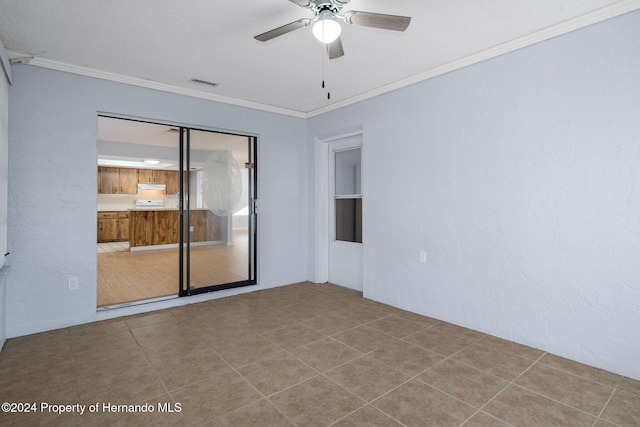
(301,355)
(109,247)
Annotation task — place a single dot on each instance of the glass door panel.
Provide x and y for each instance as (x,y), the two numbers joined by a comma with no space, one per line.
(219,227)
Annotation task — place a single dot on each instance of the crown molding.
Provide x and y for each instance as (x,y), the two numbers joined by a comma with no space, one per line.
(150,84)
(585,20)
(577,23)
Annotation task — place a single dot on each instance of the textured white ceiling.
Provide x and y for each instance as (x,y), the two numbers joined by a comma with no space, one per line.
(168,42)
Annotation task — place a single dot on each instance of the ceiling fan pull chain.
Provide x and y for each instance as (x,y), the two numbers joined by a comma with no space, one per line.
(328,66)
(325,64)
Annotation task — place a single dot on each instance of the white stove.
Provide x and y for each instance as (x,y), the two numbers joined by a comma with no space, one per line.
(149,204)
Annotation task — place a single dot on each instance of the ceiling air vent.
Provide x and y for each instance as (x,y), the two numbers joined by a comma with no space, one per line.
(203,82)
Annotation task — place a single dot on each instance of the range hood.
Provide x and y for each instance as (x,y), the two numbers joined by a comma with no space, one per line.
(152,187)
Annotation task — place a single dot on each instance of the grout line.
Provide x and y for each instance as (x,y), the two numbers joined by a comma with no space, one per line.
(581,376)
(598,417)
(480,409)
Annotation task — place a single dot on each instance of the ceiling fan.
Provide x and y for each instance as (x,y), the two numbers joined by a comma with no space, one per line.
(326,27)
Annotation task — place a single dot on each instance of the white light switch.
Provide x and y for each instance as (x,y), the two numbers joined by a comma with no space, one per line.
(423,257)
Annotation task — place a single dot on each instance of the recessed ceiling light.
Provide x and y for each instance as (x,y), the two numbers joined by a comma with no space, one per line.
(152,162)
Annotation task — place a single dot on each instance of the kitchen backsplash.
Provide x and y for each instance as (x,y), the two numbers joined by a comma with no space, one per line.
(121,202)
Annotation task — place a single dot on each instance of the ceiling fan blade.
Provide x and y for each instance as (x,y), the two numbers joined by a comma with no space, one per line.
(292,26)
(301,3)
(377,20)
(335,49)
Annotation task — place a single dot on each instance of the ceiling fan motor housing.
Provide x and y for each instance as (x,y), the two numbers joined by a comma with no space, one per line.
(323,7)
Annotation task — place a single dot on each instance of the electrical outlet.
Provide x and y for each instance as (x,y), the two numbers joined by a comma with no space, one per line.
(72,283)
(191,228)
(423,257)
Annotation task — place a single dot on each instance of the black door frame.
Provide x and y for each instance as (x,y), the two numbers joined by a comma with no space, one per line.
(184,212)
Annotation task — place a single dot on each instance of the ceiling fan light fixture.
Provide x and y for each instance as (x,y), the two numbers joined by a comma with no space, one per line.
(326,29)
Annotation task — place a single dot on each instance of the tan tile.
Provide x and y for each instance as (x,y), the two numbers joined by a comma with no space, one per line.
(368,416)
(469,335)
(316,402)
(396,326)
(91,367)
(623,409)
(581,370)
(140,320)
(120,342)
(39,386)
(174,346)
(293,336)
(247,350)
(195,312)
(325,354)
(464,382)
(495,362)
(33,353)
(630,386)
(416,318)
(484,420)
(129,388)
(520,407)
(40,341)
(406,357)
(603,423)
(513,348)
(261,413)
(364,339)
(179,371)
(161,333)
(219,337)
(438,341)
(330,323)
(276,373)
(367,377)
(361,312)
(35,361)
(213,397)
(417,404)
(98,328)
(571,390)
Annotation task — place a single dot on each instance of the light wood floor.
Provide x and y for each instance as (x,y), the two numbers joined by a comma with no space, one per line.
(134,276)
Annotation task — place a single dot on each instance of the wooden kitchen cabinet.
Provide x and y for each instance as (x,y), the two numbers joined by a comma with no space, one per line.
(165,225)
(128,181)
(117,180)
(107,227)
(141,228)
(123,226)
(152,176)
(160,227)
(199,225)
(172,182)
(206,226)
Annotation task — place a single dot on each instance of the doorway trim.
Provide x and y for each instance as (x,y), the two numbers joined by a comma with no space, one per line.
(323,157)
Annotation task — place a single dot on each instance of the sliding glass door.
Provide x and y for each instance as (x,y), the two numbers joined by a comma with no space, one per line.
(176,209)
